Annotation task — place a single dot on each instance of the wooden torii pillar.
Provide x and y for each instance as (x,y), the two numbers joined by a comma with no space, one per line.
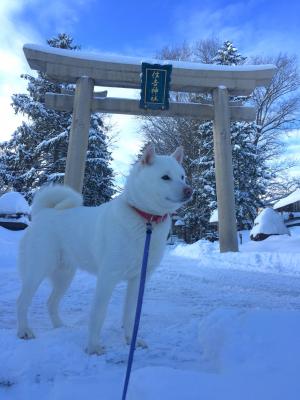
(87,71)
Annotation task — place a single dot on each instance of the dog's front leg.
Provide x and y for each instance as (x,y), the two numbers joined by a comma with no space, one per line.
(130,309)
(102,296)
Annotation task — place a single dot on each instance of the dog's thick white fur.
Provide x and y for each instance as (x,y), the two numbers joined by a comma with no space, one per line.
(107,240)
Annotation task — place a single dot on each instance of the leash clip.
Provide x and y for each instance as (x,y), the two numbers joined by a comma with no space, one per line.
(149,227)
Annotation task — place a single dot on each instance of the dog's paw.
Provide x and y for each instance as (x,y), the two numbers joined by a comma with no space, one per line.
(95,349)
(26,333)
(139,343)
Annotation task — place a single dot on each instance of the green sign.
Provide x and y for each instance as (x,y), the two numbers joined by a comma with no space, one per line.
(155,86)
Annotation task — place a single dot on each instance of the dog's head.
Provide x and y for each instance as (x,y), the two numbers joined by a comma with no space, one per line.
(157,184)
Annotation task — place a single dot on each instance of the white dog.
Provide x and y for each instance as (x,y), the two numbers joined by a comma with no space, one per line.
(107,241)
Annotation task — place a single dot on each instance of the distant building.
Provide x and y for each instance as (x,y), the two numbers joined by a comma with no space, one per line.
(289,207)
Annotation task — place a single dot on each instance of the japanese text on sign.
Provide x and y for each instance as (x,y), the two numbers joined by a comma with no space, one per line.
(155,86)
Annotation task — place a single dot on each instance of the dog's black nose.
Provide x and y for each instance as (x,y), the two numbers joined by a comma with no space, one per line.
(187,191)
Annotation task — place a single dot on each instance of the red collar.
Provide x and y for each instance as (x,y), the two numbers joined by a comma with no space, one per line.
(151,217)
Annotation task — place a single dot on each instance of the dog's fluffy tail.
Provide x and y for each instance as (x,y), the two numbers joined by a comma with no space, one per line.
(55,196)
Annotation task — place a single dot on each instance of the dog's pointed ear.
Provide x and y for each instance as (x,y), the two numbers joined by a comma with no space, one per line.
(178,154)
(148,155)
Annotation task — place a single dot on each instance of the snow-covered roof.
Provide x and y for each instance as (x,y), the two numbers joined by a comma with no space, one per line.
(269,222)
(13,202)
(214,217)
(290,199)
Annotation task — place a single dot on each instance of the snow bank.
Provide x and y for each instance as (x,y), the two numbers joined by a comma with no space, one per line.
(255,341)
(248,355)
(195,250)
(276,254)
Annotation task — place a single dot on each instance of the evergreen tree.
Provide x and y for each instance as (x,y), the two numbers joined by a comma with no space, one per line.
(228,55)
(251,176)
(196,213)
(36,153)
(63,41)
(98,180)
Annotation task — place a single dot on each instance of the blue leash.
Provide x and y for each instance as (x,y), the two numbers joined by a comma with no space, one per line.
(138,308)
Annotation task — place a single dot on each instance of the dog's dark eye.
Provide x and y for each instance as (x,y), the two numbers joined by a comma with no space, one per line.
(182,177)
(166,178)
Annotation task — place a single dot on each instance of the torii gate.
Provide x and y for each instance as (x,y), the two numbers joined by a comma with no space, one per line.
(89,70)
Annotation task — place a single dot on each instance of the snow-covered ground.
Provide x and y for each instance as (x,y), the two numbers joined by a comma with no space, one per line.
(218,326)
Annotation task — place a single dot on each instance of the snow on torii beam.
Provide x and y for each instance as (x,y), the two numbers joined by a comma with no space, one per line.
(124,72)
(87,70)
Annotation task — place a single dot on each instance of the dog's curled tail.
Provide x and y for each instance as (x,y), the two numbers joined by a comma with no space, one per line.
(55,196)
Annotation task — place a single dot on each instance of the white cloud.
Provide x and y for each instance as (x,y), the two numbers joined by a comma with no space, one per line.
(14,33)
(209,19)
(13,62)
(57,15)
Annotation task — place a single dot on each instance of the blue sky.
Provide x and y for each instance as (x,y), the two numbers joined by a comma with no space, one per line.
(139,28)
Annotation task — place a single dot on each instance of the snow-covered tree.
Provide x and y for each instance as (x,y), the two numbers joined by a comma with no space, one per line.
(277,108)
(196,214)
(63,41)
(228,55)
(36,153)
(98,180)
(251,176)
